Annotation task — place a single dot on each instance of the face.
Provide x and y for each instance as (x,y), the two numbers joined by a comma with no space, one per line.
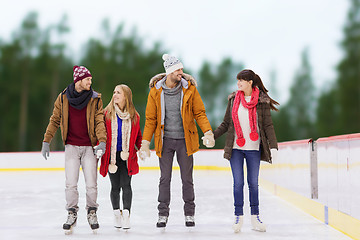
(176,75)
(119,97)
(244,85)
(85,84)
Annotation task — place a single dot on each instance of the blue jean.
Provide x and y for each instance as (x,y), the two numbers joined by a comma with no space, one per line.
(237,167)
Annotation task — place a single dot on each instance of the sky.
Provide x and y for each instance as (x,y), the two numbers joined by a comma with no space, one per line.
(264,35)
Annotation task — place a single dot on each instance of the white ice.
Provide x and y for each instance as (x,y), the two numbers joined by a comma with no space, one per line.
(33,207)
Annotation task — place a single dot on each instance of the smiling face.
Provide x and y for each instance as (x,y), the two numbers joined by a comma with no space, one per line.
(119,97)
(245,86)
(176,75)
(83,84)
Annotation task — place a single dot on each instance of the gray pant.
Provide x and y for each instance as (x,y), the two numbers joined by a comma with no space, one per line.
(76,156)
(170,146)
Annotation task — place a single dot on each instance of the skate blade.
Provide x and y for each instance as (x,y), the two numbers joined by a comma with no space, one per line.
(236,229)
(95,231)
(68,232)
(259,230)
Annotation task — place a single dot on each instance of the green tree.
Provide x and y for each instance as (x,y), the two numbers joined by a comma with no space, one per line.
(338,110)
(302,103)
(327,122)
(215,84)
(348,81)
(116,58)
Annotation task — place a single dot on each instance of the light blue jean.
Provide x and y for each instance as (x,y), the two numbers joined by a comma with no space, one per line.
(237,167)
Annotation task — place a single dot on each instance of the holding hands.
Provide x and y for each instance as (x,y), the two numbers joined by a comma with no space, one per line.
(99,150)
(208,139)
(144,150)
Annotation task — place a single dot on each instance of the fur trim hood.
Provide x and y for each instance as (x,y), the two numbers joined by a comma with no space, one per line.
(263,97)
(160,76)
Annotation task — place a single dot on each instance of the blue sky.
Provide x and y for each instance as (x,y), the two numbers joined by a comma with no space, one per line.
(264,35)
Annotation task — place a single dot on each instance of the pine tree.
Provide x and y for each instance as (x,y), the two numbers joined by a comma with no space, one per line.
(301,105)
(348,81)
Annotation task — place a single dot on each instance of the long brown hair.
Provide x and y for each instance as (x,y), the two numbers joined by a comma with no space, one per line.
(129,106)
(249,75)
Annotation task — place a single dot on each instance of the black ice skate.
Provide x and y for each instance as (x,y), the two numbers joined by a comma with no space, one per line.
(92,219)
(161,223)
(71,221)
(189,221)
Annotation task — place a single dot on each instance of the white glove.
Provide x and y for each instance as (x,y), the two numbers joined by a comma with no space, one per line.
(208,139)
(274,153)
(144,150)
(99,150)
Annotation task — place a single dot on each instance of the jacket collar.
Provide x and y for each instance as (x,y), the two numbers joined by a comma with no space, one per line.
(158,79)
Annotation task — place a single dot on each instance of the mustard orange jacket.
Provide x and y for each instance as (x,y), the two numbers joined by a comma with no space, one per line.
(192,108)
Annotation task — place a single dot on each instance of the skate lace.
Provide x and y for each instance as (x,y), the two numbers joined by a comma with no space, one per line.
(162,219)
(258,218)
(92,218)
(189,219)
(237,219)
(71,218)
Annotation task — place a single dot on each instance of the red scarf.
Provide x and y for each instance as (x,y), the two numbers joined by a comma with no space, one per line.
(251,106)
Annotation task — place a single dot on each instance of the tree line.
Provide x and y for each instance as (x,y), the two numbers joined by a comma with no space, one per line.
(34,69)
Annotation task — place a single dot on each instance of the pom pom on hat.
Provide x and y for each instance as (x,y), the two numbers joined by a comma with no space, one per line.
(80,73)
(171,63)
(165,56)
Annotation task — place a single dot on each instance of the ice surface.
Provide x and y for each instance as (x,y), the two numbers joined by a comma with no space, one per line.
(33,207)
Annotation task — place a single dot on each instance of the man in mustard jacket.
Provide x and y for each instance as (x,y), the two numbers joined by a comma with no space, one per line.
(78,111)
(173,106)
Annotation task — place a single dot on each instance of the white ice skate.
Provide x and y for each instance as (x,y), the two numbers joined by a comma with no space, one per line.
(70,222)
(117,219)
(257,224)
(239,220)
(126,219)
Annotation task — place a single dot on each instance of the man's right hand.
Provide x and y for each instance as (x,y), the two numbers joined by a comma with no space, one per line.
(45,150)
(144,150)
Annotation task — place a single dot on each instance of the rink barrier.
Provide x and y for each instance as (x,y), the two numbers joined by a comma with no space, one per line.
(320,177)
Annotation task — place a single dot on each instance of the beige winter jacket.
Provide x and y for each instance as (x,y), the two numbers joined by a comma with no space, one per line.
(94,117)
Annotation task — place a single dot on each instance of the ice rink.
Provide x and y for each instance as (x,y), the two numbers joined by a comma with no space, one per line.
(33,207)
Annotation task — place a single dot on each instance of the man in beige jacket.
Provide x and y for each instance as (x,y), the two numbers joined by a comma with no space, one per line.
(78,110)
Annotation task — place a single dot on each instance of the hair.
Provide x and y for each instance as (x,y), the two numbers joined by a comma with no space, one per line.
(249,75)
(129,106)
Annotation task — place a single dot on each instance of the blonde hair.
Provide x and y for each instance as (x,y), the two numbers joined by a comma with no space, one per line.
(129,105)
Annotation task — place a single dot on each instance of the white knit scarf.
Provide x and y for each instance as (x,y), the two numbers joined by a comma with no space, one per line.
(125,130)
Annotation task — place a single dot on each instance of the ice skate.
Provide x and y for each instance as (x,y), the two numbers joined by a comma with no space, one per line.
(117,219)
(239,220)
(189,221)
(70,222)
(126,219)
(162,221)
(257,224)
(92,219)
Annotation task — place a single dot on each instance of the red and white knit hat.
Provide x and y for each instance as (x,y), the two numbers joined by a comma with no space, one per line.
(80,73)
